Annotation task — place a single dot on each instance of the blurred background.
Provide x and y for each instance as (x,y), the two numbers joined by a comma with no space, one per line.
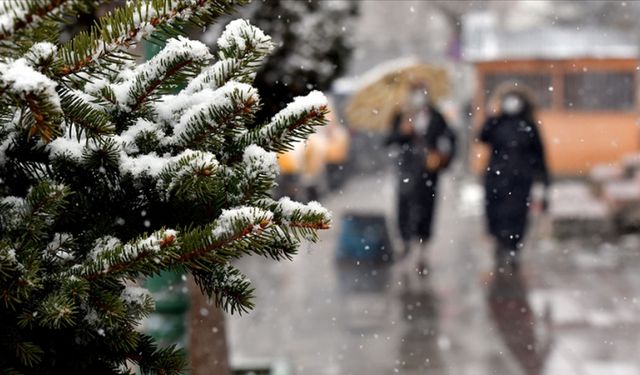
(344,306)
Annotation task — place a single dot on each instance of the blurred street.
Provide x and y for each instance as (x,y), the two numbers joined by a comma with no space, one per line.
(574,311)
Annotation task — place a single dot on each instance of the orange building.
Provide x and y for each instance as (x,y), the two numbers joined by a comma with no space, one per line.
(584,83)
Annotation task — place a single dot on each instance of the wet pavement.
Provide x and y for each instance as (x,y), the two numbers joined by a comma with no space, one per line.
(572,311)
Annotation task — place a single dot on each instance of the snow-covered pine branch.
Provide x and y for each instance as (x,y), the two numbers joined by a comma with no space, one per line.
(303,219)
(41,55)
(124,27)
(242,49)
(258,163)
(240,37)
(194,175)
(227,286)
(237,232)
(85,113)
(141,138)
(41,206)
(241,67)
(293,123)
(225,113)
(35,92)
(253,178)
(60,249)
(179,59)
(18,15)
(230,236)
(109,257)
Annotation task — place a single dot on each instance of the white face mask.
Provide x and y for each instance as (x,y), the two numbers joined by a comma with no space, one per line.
(512,105)
(417,99)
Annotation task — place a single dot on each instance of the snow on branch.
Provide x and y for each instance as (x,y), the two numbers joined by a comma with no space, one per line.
(85,113)
(142,128)
(59,249)
(217,74)
(240,36)
(150,164)
(258,162)
(37,212)
(163,248)
(66,146)
(174,60)
(32,89)
(19,77)
(169,108)
(41,53)
(311,215)
(110,256)
(189,173)
(207,122)
(35,91)
(243,47)
(294,122)
(227,286)
(135,295)
(126,26)
(315,101)
(17,15)
(236,232)
(12,209)
(242,219)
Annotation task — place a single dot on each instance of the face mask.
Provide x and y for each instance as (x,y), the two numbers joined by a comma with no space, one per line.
(512,105)
(418,99)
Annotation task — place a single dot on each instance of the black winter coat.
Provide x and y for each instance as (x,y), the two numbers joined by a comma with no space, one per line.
(517,159)
(417,186)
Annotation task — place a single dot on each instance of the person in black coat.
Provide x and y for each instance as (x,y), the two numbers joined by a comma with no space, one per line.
(427,145)
(517,160)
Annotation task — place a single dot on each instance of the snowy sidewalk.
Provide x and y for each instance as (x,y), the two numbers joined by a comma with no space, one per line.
(326,319)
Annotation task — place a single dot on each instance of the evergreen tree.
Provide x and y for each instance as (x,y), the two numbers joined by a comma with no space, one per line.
(313,46)
(107,175)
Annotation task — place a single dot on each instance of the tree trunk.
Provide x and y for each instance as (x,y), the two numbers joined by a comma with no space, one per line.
(208,352)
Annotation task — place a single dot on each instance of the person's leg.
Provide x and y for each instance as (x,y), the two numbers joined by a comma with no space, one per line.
(426,207)
(517,243)
(404,222)
(504,255)
(515,261)
(422,264)
(506,204)
(518,221)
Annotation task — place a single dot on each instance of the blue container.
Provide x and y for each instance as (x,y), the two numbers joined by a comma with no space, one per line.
(364,238)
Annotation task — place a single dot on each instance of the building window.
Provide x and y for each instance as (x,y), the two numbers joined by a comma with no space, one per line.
(599,91)
(539,84)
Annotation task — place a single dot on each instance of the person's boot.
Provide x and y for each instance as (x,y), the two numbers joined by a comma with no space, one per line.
(515,261)
(422,267)
(502,259)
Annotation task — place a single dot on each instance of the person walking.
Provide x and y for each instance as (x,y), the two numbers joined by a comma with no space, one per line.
(427,146)
(517,159)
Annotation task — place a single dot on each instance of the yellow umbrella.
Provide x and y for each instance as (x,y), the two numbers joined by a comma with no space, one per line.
(373,106)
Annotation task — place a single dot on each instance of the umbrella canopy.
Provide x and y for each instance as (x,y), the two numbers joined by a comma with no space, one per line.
(373,106)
